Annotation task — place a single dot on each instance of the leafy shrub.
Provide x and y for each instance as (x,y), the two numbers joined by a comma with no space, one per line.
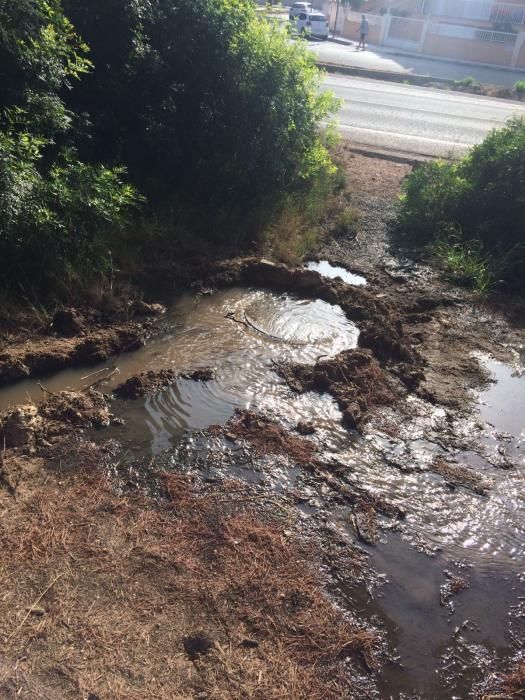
(478,201)
(214,121)
(469,83)
(216,125)
(519,88)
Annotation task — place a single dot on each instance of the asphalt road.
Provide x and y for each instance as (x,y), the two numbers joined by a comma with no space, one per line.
(415,120)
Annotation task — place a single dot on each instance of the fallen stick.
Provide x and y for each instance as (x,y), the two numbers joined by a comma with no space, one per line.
(33,606)
(46,391)
(115,370)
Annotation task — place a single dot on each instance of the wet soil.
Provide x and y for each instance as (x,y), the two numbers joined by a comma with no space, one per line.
(379,422)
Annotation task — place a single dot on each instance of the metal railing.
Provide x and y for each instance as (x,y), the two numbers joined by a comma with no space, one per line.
(497,12)
(458,31)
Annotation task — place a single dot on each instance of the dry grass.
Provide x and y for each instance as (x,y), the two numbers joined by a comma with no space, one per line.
(119,588)
(514,682)
(268,438)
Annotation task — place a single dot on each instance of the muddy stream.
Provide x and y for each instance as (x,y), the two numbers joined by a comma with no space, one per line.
(439,643)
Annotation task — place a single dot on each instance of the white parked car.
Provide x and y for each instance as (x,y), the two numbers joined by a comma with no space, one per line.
(299,8)
(313,24)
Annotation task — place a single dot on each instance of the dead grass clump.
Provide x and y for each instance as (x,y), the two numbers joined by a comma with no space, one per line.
(269,438)
(458,475)
(102,593)
(514,681)
(75,408)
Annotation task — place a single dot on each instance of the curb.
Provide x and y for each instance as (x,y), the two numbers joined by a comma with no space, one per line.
(391,76)
(412,159)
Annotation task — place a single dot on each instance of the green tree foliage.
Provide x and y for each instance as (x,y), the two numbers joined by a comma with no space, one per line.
(208,110)
(55,211)
(209,106)
(477,204)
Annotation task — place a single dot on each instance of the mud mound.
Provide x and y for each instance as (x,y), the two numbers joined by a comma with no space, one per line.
(145,383)
(153,380)
(267,437)
(199,375)
(354,378)
(32,426)
(68,322)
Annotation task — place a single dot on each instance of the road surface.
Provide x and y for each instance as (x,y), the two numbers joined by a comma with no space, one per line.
(415,120)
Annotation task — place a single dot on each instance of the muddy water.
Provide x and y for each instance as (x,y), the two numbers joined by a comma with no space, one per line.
(240,332)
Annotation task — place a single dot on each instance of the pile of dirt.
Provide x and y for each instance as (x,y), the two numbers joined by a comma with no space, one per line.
(152,381)
(29,427)
(145,383)
(267,437)
(354,378)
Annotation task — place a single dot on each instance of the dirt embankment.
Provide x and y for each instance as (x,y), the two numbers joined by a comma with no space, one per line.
(75,337)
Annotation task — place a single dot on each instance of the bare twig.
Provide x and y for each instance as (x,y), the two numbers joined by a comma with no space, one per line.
(33,606)
(45,390)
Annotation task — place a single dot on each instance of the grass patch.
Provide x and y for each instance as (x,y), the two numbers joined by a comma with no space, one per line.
(466,264)
(469,83)
(519,88)
(304,219)
(346,222)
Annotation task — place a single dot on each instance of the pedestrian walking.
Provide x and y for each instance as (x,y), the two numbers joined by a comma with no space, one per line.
(363,33)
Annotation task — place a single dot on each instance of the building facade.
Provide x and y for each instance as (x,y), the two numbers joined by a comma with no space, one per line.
(479,31)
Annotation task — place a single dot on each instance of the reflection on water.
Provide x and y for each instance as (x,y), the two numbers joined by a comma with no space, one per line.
(503,403)
(326,269)
(198,333)
(239,333)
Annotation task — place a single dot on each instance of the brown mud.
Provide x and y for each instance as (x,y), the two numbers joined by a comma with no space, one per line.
(153,380)
(75,337)
(217,587)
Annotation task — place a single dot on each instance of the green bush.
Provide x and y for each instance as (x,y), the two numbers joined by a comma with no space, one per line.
(216,121)
(204,107)
(519,88)
(56,212)
(468,82)
(479,201)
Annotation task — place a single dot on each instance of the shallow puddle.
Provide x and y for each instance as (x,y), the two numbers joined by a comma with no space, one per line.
(326,269)
(239,333)
(503,402)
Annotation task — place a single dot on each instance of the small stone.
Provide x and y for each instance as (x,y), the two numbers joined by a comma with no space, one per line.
(249,643)
(37,610)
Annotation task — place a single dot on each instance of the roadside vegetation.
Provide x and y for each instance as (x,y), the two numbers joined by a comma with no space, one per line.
(471,212)
(133,131)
